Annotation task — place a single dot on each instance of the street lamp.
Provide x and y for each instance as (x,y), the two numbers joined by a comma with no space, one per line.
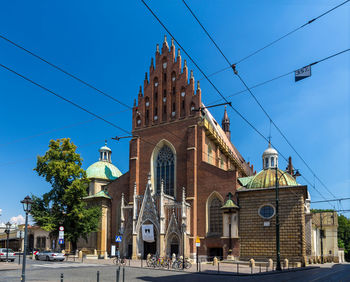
(27,206)
(183,245)
(278,252)
(7,231)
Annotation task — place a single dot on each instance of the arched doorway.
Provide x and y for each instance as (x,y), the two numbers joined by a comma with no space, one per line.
(148,246)
(173,245)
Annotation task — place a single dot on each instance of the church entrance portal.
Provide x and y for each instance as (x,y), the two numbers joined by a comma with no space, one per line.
(174,249)
(149,248)
(215,252)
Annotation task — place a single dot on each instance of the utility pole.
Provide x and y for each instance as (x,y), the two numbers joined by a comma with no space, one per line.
(321,235)
(278,254)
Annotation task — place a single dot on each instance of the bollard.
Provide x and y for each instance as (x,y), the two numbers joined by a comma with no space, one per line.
(82,258)
(61,277)
(270,264)
(252,264)
(260,267)
(117,274)
(129,261)
(98,276)
(141,263)
(123,274)
(237,267)
(218,267)
(286,263)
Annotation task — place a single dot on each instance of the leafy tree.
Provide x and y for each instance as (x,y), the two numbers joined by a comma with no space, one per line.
(64,204)
(344,235)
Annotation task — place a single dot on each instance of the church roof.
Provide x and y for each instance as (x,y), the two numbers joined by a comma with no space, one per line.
(220,132)
(267,178)
(229,205)
(101,194)
(103,170)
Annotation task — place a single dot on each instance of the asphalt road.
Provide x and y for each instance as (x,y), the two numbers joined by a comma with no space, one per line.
(76,272)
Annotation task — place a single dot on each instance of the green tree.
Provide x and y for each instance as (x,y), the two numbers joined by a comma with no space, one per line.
(64,204)
(344,235)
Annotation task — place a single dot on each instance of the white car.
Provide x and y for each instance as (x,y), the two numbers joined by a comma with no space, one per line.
(49,255)
(3,253)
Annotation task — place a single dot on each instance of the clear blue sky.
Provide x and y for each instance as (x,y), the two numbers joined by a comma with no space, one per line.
(110,45)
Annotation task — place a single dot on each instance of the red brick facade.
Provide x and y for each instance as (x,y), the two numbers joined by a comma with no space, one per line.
(167,113)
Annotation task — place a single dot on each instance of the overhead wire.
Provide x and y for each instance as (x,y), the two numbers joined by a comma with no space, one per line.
(64,71)
(276,40)
(63,98)
(280,76)
(255,98)
(206,77)
(57,129)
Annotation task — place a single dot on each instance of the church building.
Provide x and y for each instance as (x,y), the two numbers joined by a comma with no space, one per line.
(186,179)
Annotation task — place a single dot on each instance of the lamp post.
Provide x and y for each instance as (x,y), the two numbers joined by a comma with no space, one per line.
(27,205)
(278,252)
(7,231)
(183,245)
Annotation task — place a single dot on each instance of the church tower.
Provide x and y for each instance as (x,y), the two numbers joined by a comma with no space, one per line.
(225,124)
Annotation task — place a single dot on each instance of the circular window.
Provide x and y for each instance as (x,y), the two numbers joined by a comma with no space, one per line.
(266,211)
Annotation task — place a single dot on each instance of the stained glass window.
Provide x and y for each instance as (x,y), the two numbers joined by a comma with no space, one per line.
(215,216)
(165,170)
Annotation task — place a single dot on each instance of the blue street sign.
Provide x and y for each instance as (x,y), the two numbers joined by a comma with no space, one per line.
(61,241)
(118,238)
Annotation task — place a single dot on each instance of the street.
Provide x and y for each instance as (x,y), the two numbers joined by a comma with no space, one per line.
(79,272)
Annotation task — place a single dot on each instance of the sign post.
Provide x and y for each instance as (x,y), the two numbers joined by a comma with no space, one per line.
(61,235)
(198,244)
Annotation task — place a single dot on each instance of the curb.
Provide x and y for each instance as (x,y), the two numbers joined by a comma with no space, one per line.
(230,273)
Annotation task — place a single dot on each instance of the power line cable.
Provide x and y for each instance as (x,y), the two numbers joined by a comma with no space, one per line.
(206,77)
(63,98)
(257,101)
(280,76)
(335,200)
(64,71)
(269,44)
(56,129)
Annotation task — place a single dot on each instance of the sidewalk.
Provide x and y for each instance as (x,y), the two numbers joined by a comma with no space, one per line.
(205,267)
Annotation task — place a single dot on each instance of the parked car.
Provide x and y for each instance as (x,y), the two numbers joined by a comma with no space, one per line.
(49,255)
(11,254)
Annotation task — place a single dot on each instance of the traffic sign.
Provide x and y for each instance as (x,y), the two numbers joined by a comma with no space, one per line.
(60,241)
(198,242)
(60,234)
(118,238)
(61,228)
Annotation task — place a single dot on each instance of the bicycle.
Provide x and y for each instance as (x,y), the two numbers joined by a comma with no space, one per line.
(119,261)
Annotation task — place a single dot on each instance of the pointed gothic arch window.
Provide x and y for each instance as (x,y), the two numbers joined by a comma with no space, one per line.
(165,169)
(215,217)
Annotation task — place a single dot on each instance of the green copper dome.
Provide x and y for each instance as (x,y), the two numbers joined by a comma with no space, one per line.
(267,178)
(103,170)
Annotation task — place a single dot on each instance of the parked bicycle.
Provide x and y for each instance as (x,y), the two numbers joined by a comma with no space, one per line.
(119,261)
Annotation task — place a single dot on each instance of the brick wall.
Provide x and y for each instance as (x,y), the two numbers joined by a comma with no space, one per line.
(258,241)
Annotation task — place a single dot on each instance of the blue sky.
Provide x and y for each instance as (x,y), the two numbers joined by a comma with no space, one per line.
(110,45)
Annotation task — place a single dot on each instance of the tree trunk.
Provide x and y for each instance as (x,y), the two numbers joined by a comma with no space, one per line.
(74,246)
